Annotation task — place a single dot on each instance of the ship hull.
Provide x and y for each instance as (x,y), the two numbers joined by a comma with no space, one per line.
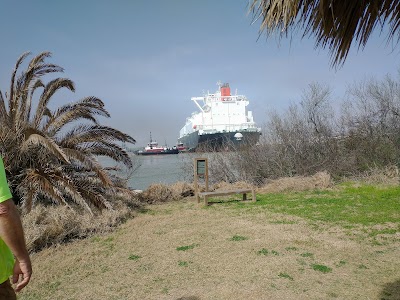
(163,152)
(219,141)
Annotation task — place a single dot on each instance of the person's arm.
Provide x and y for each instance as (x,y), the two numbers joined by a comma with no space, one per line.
(12,234)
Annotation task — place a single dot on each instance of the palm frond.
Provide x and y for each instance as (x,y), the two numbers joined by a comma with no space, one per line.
(48,92)
(12,100)
(111,150)
(96,198)
(94,133)
(84,109)
(39,183)
(335,23)
(3,111)
(28,105)
(34,137)
(87,164)
(38,59)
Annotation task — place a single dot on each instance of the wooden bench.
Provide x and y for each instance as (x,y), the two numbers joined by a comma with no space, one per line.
(244,192)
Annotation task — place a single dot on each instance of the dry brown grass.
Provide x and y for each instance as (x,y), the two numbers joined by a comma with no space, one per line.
(158,193)
(51,225)
(389,175)
(320,180)
(274,261)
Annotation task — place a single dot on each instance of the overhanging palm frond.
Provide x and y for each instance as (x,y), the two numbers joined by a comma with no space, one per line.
(335,23)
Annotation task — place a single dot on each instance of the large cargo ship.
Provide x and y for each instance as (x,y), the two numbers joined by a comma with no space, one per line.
(222,122)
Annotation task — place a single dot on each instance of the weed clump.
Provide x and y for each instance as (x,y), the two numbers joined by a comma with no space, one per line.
(158,193)
(321,180)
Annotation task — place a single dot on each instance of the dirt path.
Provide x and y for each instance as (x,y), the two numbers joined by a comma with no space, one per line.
(182,251)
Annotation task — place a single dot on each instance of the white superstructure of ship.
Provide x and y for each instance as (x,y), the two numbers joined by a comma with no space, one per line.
(222,119)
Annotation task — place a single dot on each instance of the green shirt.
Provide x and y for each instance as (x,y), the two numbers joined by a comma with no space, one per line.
(6,256)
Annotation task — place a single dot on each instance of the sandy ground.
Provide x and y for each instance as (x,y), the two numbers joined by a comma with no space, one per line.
(231,254)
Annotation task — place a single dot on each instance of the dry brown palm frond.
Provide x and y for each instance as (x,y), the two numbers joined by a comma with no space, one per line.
(12,99)
(335,23)
(33,137)
(3,111)
(93,133)
(37,182)
(49,90)
(86,108)
(88,163)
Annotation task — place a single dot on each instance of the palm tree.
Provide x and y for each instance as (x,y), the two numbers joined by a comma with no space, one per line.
(335,23)
(51,156)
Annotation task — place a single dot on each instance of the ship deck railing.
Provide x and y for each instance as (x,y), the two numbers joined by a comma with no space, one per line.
(228,129)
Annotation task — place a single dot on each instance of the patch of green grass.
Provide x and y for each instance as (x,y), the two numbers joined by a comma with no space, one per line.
(383,231)
(333,295)
(53,286)
(291,249)
(341,263)
(107,244)
(188,247)
(238,238)
(104,269)
(321,268)
(283,222)
(183,263)
(349,205)
(307,254)
(134,257)
(362,267)
(95,239)
(263,251)
(287,276)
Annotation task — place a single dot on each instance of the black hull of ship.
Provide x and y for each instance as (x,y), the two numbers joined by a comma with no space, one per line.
(165,152)
(219,141)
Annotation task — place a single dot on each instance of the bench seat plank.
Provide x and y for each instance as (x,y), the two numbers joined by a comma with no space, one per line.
(206,195)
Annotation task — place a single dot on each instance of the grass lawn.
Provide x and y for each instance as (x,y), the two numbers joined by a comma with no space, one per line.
(342,243)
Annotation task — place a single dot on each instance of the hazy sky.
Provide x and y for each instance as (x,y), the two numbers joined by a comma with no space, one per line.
(146,59)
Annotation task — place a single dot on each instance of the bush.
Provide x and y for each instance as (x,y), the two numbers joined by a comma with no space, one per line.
(156,193)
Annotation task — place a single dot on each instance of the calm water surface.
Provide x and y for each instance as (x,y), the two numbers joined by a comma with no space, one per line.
(164,169)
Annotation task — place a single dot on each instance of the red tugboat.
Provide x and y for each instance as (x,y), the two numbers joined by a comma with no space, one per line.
(153,148)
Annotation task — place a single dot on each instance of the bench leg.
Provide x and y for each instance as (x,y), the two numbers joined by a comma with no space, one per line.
(205,200)
(253,195)
(244,196)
